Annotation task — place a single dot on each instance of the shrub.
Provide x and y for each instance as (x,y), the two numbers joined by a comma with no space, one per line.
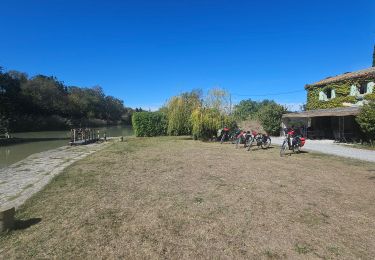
(149,123)
(207,121)
(270,118)
(366,120)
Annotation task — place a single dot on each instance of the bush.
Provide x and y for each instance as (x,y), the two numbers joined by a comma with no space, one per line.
(149,123)
(207,121)
(366,120)
(179,112)
(270,118)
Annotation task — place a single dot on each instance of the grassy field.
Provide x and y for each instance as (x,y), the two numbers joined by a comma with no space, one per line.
(174,198)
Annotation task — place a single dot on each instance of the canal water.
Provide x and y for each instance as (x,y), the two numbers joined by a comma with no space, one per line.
(36,142)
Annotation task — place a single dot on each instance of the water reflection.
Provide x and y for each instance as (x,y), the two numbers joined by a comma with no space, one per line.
(35,142)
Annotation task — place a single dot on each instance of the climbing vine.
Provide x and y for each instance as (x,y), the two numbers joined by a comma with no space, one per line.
(342,91)
(370,97)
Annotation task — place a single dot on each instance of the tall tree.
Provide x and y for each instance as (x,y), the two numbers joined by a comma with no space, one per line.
(373,57)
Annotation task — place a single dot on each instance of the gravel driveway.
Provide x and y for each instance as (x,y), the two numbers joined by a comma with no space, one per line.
(329,147)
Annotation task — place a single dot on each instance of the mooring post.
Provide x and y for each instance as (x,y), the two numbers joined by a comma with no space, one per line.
(7,219)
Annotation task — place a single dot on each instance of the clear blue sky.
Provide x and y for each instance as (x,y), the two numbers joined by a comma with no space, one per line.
(146,51)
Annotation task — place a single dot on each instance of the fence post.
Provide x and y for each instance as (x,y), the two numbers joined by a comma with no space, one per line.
(6,219)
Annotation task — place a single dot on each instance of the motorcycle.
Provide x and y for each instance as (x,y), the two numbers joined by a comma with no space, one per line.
(292,141)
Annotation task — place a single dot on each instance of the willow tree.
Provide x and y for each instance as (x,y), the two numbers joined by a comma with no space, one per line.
(218,99)
(179,109)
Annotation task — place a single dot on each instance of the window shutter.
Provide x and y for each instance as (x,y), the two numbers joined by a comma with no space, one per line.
(322,96)
(353,90)
(370,87)
(333,93)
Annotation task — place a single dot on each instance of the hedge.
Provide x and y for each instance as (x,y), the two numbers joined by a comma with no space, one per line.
(149,123)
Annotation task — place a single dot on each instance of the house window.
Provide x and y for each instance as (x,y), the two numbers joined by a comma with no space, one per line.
(329,93)
(363,88)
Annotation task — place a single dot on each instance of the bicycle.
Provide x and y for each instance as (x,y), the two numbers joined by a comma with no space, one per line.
(262,140)
(292,142)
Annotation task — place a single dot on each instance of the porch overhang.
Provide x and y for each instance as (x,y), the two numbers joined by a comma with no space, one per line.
(339,111)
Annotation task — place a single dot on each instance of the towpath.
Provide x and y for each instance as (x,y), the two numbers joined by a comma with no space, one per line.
(329,147)
(21,180)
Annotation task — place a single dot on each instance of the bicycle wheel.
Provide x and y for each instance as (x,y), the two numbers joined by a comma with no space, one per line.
(222,139)
(283,148)
(266,143)
(250,143)
(296,148)
(238,141)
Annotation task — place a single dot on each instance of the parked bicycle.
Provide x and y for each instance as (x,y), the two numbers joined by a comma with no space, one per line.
(243,138)
(261,140)
(292,141)
(227,134)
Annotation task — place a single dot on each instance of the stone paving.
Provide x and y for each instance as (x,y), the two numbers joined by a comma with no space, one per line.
(21,180)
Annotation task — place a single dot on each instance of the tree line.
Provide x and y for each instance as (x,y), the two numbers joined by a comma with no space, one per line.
(191,113)
(24,100)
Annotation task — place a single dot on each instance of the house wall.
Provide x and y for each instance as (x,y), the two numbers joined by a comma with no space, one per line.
(344,93)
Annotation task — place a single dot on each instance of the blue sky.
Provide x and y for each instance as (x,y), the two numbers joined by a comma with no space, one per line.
(146,51)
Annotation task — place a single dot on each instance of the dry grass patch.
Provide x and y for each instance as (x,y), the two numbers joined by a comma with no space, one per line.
(172,197)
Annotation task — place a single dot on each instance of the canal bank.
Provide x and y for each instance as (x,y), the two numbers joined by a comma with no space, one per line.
(21,180)
(29,143)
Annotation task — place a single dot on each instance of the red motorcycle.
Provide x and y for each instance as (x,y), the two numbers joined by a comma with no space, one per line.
(292,141)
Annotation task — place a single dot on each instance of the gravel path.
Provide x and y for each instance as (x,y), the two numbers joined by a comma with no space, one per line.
(21,180)
(329,147)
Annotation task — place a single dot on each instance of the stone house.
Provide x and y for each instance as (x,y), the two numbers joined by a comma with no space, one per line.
(332,104)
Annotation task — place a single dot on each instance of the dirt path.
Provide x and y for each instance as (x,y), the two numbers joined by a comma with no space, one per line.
(21,180)
(329,147)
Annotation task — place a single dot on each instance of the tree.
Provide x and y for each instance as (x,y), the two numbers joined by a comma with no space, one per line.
(218,99)
(270,117)
(45,95)
(248,108)
(179,110)
(373,57)
(366,120)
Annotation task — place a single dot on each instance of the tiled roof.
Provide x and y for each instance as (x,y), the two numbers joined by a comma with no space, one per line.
(338,111)
(369,72)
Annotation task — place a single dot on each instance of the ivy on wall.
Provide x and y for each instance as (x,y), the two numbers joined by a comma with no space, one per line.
(370,97)
(342,90)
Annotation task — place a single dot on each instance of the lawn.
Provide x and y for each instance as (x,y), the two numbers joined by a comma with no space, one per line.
(172,197)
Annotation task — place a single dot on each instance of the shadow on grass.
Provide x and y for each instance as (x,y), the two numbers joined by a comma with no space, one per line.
(260,148)
(24,224)
(293,154)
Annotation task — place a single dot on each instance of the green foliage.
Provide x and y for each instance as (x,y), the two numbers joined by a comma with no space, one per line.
(342,90)
(206,122)
(149,123)
(373,57)
(179,112)
(366,120)
(218,99)
(370,97)
(46,96)
(270,118)
(248,108)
